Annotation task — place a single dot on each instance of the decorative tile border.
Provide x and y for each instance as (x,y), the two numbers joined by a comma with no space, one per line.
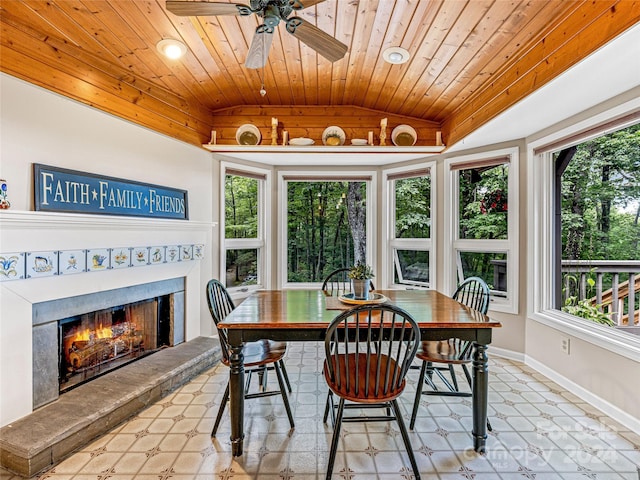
(173,253)
(156,255)
(121,257)
(72,261)
(41,264)
(140,256)
(12,266)
(98,259)
(23,265)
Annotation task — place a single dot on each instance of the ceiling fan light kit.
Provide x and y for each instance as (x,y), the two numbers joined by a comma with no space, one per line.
(171,48)
(396,55)
(271,12)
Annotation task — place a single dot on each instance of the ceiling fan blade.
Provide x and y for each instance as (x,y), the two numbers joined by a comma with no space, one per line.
(260,46)
(320,41)
(300,4)
(194,9)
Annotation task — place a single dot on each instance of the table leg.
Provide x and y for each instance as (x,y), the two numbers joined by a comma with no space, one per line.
(480,396)
(236,398)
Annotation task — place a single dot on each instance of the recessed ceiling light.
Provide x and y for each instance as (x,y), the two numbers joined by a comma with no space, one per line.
(171,48)
(396,55)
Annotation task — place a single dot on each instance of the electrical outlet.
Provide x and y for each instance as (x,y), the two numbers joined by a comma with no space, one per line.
(565,344)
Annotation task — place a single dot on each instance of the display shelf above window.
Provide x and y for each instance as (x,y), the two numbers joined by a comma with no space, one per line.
(350,155)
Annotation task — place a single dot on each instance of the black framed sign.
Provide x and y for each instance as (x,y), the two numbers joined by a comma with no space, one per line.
(61,190)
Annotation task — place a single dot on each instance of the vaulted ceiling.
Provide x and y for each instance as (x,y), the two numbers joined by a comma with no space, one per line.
(470,61)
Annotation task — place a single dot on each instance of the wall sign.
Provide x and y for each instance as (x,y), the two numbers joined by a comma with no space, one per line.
(61,190)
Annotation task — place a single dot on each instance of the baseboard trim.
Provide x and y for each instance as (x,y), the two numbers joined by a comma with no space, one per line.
(508,354)
(604,406)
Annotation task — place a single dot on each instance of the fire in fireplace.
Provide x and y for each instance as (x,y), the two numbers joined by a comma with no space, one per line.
(94,343)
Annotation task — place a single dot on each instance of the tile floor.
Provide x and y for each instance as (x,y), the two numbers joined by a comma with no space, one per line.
(541,432)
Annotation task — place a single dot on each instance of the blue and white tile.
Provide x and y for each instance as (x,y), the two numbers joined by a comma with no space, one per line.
(186,253)
(156,255)
(98,259)
(140,256)
(72,261)
(12,266)
(198,252)
(173,253)
(121,257)
(42,264)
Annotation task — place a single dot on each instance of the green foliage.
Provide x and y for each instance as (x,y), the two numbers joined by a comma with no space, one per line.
(361,271)
(320,239)
(413,207)
(241,207)
(585,309)
(601,198)
(483,199)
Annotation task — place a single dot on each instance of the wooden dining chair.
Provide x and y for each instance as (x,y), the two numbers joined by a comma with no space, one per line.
(338,283)
(366,365)
(440,356)
(259,356)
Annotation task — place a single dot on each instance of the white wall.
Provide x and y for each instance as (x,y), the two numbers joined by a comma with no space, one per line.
(37,126)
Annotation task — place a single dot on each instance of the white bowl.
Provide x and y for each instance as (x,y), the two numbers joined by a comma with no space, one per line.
(248,134)
(359,141)
(404,136)
(301,141)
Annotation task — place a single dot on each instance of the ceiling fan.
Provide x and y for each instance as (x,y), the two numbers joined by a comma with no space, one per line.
(271,12)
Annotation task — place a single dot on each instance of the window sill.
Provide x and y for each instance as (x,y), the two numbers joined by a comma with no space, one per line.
(615,341)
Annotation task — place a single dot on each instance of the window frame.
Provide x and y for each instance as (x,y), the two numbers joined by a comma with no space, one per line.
(542,242)
(390,243)
(260,243)
(455,244)
(318,176)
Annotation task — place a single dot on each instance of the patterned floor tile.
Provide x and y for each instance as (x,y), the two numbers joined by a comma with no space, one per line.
(540,431)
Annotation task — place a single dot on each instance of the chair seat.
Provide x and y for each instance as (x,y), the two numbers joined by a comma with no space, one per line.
(367,391)
(262,352)
(442,351)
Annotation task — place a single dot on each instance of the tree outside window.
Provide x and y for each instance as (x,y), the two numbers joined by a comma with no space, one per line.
(600,212)
(483,215)
(410,199)
(484,229)
(243,237)
(326,227)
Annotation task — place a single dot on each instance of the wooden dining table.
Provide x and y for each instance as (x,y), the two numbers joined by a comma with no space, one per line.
(304,315)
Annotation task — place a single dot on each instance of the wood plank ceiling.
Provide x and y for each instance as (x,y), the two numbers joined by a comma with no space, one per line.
(470,60)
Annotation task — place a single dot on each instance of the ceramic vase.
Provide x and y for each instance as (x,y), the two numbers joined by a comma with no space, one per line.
(4,201)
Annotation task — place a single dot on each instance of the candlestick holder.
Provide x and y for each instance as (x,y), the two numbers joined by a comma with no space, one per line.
(274,131)
(383,132)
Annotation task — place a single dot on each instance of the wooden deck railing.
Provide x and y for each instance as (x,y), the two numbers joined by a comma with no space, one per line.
(585,279)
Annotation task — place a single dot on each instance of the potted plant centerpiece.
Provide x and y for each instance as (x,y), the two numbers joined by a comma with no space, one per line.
(361,275)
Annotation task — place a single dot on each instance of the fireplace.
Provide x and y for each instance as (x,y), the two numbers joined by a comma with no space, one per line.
(77,339)
(94,343)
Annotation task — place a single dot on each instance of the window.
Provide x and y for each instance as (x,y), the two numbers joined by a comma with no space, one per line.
(483,233)
(326,225)
(409,258)
(545,260)
(244,261)
(598,196)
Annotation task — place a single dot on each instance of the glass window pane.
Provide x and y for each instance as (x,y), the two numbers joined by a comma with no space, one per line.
(483,202)
(326,228)
(490,266)
(413,207)
(411,267)
(241,207)
(600,200)
(242,267)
